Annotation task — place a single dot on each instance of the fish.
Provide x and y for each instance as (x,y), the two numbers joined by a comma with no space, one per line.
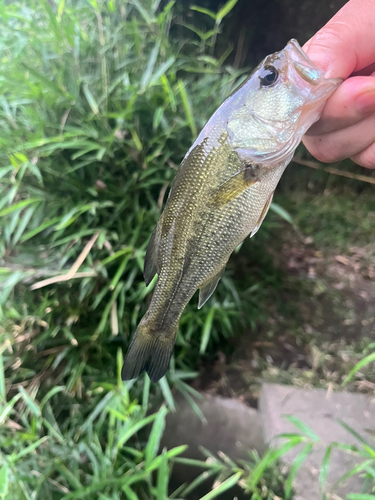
(222,192)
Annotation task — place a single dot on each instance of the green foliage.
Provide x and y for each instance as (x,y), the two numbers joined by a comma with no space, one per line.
(367,360)
(97,102)
(86,453)
(334,221)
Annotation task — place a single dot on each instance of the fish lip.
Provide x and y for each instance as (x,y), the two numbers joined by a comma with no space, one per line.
(310,75)
(304,66)
(308,70)
(295,49)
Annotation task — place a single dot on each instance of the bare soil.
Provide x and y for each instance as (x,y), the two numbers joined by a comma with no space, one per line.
(326,327)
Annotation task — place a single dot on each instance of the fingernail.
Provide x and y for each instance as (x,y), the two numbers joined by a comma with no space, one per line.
(366,100)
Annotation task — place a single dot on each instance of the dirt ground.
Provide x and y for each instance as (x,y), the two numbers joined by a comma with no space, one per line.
(327,326)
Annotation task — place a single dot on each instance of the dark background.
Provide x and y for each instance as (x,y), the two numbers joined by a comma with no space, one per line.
(256,28)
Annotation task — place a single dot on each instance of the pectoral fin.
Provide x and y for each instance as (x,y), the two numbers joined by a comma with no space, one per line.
(233,187)
(208,289)
(262,215)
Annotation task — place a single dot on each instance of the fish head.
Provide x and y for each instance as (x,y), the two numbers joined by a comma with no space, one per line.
(268,115)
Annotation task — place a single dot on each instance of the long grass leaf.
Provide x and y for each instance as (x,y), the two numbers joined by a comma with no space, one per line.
(361,364)
(155,436)
(150,66)
(2,379)
(203,10)
(206,331)
(297,463)
(307,431)
(28,449)
(225,9)
(163,478)
(187,107)
(167,393)
(224,486)
(19,206)
(90,99)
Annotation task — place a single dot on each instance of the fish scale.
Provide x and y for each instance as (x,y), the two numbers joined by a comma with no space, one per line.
(222,192)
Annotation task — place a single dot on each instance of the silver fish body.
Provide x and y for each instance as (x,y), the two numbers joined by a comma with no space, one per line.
(222,192)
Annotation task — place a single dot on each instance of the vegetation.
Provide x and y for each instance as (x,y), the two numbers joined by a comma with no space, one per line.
(97,99)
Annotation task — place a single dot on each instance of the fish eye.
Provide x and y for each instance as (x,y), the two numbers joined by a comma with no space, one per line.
(268,76)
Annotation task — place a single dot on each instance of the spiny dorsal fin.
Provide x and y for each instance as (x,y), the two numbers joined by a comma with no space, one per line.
(234,187)
(208,289)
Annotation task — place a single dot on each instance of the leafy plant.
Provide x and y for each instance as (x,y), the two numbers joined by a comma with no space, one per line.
(97,102)
(367,360)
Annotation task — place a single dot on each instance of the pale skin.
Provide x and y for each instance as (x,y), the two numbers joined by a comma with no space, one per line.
(345,47)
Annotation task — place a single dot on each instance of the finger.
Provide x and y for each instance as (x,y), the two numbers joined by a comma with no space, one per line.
(366,158)
(346,43)
(353,101)
(367,71)
(343,143)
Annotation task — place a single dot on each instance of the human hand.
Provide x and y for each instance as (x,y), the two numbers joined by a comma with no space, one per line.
(345,47)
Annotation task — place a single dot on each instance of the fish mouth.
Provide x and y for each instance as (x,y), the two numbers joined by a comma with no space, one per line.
(310,75)
(303,64)
(308,71)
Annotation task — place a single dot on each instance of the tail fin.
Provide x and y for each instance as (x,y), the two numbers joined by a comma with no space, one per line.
(150,353)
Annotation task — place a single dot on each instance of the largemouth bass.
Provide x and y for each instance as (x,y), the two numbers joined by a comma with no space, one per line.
(222,192)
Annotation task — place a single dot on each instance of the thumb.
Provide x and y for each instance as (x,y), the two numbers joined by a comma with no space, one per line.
(346,44)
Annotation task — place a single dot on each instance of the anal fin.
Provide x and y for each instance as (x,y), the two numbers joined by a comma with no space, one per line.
(208,289)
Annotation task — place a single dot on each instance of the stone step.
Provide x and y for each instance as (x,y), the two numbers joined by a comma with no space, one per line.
(230,427)
(321,411)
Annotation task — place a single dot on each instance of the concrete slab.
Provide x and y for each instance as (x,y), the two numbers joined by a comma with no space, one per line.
(231,427)
(319,410)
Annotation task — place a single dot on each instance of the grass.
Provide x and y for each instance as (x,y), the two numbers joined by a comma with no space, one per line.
(96,100)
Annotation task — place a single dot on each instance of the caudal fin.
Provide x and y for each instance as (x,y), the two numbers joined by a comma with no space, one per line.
(148,352)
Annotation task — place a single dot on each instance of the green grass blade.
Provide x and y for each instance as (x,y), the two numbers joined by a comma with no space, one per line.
(146,77)
(207,331)
(224,486)
(155,436)
(2,380)
(361,364)
(19,206)
(297,463)
(4,480)
(91,100)
(305,429)
(163,478)
(167,393)
(187,107)
(28,449)
(281,212)
(225,9)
